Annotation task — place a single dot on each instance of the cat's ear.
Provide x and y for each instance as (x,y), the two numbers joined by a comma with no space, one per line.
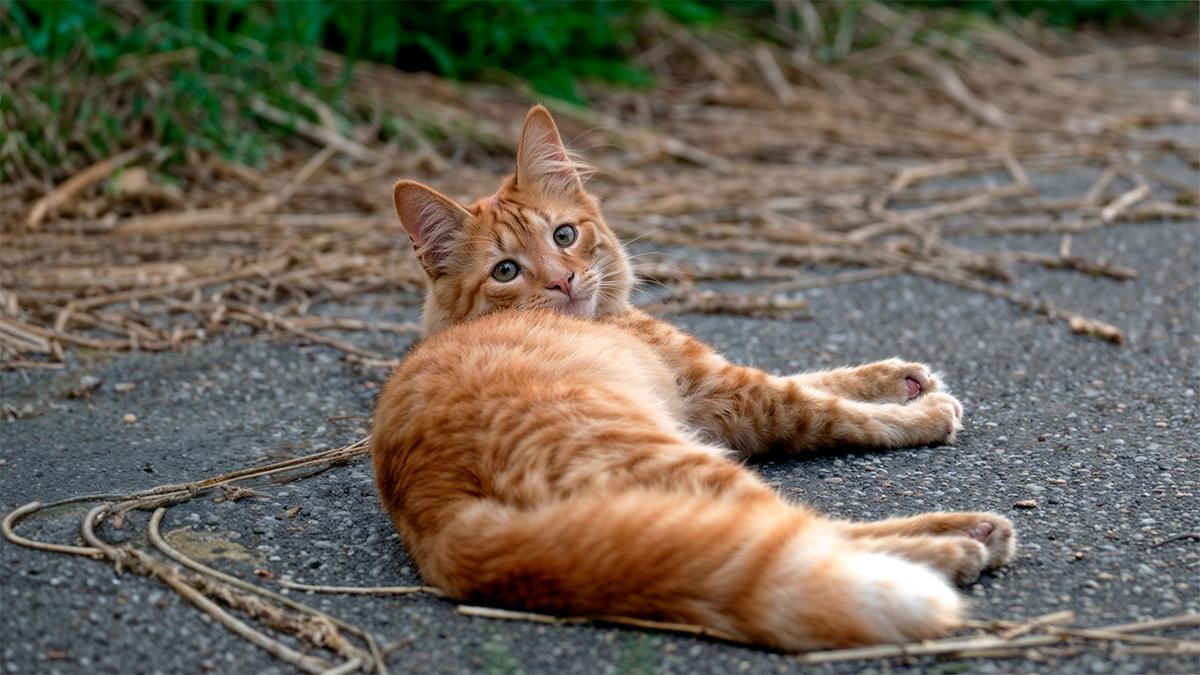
(542,159)
(432,221)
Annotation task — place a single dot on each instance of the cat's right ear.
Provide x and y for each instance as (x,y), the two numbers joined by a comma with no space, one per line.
(432,221)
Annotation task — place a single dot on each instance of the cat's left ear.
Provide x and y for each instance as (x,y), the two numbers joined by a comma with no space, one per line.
(542,158)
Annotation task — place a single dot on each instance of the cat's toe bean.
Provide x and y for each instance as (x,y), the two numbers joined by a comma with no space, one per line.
(914,387)
(997,535)
(981,532)
(924,378)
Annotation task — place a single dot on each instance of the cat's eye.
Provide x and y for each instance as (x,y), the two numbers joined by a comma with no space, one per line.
(505,271)
(564,236)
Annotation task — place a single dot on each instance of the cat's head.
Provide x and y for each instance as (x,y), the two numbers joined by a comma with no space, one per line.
(539,242)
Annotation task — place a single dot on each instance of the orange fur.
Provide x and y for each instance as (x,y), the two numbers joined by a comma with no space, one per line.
(546,446)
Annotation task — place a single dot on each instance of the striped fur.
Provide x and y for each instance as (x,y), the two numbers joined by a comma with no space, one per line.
(548,447)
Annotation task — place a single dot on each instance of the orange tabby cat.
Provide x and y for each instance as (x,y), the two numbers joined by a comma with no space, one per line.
(548,447)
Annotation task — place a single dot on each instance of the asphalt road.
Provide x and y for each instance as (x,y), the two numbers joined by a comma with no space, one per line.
(1118,472)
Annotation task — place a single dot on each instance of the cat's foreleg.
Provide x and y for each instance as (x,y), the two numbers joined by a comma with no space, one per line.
(753,412)
(888,381)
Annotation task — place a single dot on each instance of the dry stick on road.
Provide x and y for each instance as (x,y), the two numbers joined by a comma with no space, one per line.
(196,589)
(364,590)
(344,649)
(1077,322)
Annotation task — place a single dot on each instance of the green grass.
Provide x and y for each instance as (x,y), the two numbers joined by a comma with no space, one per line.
(639,654)
(496,657)
(92,80)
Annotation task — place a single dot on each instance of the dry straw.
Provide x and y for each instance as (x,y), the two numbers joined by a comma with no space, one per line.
(772,168)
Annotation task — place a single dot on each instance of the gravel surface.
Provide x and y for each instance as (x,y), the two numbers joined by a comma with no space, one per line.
(1103,438)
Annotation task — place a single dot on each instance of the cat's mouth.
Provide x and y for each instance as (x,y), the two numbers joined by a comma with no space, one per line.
(578,305)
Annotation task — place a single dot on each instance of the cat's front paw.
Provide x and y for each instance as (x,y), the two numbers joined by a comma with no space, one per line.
(896,381)
(942,415)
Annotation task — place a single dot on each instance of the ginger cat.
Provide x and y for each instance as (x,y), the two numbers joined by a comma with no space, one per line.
(548,447)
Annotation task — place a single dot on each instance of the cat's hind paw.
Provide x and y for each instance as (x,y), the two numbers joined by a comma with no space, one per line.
(997,534)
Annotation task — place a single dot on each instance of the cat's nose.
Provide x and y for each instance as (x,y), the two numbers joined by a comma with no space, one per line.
(563,283)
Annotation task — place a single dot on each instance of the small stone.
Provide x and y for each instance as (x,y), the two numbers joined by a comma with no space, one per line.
(124,387)
(87,384)
(1026,504)
(129,418)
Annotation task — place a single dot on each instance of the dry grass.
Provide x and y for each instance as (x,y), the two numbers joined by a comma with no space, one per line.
(775,169)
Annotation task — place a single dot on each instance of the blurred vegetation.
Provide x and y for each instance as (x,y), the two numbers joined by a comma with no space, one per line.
(83,79)
(1170,15)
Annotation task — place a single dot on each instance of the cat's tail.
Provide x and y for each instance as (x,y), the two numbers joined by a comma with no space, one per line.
(768,573)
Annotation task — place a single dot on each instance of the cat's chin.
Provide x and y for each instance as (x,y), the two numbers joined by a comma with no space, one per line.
(579,308)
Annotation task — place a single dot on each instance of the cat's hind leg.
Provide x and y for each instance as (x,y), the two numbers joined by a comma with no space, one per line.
(993,531)
(851,594)
(760,570)
(888,381)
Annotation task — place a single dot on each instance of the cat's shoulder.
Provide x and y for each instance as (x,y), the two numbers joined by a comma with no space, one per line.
(516,325)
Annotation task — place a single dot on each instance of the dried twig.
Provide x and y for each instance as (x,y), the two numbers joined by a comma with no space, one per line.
(364,590)
(319,134)
(71,187)
(344,649)
(1125,200)
(495,613)
(130,558)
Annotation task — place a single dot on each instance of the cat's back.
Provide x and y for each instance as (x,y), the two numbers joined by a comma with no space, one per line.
(500,392)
